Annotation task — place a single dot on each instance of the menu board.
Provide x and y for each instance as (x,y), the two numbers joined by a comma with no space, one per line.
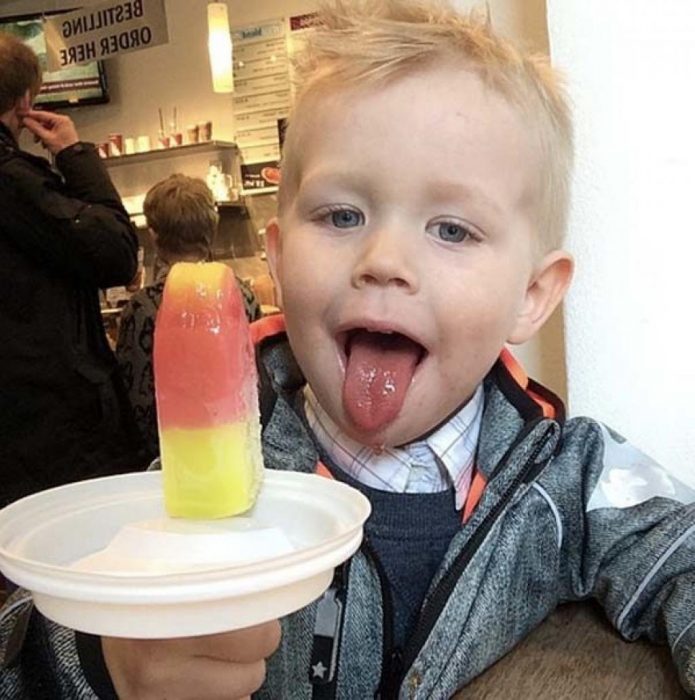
(262,96)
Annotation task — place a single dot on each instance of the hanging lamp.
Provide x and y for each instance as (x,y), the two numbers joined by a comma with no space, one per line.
(220,47)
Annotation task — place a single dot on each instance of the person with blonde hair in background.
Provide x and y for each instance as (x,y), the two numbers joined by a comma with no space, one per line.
(182,221)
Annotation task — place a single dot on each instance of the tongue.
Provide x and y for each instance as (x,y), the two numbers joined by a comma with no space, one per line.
(379,370)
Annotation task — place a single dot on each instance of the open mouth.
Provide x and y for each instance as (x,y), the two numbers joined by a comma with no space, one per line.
(381,341)
(379,369)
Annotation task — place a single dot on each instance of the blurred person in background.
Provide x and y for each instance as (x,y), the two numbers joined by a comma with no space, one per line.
(64,234)
(182,220)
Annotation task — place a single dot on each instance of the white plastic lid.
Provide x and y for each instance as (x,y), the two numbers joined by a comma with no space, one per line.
(103,557)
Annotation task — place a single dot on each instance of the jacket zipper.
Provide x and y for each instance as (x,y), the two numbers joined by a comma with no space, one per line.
(328,632)
(445,587)
(391,656)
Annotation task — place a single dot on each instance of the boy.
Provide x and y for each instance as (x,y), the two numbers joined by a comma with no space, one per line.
(423,198)
(182,221)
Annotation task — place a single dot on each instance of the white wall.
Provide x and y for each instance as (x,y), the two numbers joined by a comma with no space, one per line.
(630,66)
(522,20)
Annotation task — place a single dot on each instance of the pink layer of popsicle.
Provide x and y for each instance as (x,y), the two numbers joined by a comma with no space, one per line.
(204,362)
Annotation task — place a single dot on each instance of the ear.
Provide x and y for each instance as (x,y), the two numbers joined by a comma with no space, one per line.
(545,291)
(24,102)
(273,246)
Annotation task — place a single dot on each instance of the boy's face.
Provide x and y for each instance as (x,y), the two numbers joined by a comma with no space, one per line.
(404,258)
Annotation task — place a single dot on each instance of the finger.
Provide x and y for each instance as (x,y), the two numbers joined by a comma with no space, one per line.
(148,668)
(37,129)
(192,679)
(212,679)
(44,117)
(243,646)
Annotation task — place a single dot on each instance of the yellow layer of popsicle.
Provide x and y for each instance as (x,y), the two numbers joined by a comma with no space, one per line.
(210,472)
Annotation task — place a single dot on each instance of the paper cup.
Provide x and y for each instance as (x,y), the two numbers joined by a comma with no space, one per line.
(192,133)
(116,143)
(143,144)
(205,129)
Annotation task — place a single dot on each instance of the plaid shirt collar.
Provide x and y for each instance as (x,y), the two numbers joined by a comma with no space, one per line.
(445,458)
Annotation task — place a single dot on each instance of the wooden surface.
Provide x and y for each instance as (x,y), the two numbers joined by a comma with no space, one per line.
(576,654)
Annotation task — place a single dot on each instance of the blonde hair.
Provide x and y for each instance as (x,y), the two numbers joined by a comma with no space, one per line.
(375,42)
(181,211)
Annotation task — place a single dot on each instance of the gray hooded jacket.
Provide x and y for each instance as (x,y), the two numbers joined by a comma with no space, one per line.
(570,511)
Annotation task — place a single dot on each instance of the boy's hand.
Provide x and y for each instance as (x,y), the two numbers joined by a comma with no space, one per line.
(54,131)
(229,665)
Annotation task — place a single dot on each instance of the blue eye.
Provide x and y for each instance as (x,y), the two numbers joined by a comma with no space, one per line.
(450,231)
(346,218)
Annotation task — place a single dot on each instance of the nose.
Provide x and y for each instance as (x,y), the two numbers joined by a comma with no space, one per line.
(386,259)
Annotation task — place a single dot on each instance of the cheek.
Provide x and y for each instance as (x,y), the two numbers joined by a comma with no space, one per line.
(295,298)
(309,282)
(302,302)
(477,326)
(294,280)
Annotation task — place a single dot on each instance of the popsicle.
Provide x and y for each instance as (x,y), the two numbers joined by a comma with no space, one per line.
(206,393)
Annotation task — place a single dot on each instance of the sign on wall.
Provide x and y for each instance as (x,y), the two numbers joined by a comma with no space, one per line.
(263,95)
(104,30)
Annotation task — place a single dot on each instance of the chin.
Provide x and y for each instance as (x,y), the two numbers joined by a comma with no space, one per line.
(394,434)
